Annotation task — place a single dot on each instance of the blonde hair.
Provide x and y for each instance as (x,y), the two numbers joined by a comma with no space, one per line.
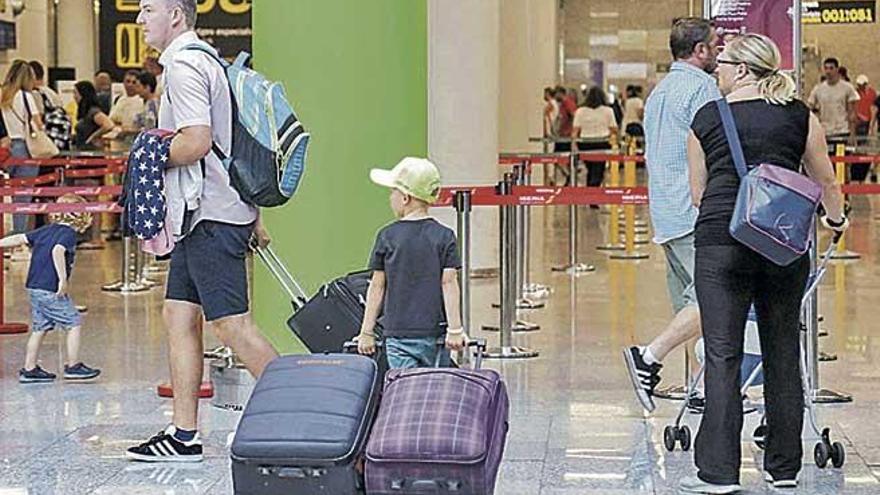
(761,55)
(19,77)
(79,221)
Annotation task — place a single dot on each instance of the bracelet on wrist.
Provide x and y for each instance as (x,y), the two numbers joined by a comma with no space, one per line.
(455,331)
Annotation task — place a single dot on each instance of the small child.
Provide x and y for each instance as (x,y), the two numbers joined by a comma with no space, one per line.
(53,247)
(415,266)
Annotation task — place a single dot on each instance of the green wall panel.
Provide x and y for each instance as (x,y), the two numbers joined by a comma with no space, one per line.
(356,72)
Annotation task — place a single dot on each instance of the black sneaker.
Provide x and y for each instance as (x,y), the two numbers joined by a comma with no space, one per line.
(165,448)
(644,376)
(80,371)
(36,375)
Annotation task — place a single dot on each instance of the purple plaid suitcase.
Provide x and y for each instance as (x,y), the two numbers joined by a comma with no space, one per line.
(438,431)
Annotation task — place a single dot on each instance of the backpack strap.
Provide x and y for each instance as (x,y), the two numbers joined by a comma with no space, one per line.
(739,159)
(206,49)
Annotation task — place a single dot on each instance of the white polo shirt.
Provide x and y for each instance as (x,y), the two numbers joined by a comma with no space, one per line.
(197,93)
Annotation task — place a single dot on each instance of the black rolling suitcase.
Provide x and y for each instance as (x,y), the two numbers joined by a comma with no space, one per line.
(305,427)
(333,316)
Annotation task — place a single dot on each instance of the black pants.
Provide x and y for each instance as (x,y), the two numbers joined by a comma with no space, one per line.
(595,170)
(729,279)
(858,172)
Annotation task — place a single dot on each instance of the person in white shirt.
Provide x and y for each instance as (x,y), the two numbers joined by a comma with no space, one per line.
(551,111)
(211,225)
(22,116)
(593,127)
(834,100)
(127,107)
(633,112)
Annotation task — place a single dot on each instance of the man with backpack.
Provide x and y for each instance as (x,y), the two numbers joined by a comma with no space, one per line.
(50,105)
(211,225)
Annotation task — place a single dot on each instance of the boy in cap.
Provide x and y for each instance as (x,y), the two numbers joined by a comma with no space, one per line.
(415,266)
(53,247)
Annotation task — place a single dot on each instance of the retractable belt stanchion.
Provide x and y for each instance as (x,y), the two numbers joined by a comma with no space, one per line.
(640,227)
(573,267)
(130,282)
(522,243)
(507,288)
(629,253)
(529,288)
(6,327)
(463,209)
(842,253)
(515,233)
(614,243)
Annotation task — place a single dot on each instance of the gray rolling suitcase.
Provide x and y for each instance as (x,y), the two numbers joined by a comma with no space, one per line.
(305,427)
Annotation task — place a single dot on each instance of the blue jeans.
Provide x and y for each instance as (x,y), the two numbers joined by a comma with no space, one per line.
(415,353)
(49,311)
(18,149)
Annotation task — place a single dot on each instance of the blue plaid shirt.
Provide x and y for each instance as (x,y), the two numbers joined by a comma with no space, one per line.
(669,111)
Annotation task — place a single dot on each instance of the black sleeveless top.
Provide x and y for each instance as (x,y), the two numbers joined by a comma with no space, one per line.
(774,134)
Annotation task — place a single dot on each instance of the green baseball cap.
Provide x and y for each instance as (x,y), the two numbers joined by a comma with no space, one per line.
(417,177)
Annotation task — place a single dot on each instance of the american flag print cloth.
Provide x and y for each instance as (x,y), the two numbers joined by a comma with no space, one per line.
(145,183)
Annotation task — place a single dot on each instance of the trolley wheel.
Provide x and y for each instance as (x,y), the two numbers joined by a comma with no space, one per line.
(760,436)
(684,438)
(670,435)
(821,454)
(838,455)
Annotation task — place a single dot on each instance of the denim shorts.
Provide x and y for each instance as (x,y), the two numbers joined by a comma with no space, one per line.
(414,353)
(48,311)
(680,254)
(208,268)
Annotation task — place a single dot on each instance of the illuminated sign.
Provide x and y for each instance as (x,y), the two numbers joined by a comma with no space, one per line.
(225,24)
(839,12)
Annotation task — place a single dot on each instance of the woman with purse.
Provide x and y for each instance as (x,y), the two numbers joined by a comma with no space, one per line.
(761,117)
(24,125)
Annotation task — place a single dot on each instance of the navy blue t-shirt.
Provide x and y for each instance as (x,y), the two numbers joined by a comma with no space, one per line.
(413,255)
(41,274)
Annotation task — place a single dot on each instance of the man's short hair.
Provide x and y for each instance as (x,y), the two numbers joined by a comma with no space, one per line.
(832,61)
(39,72)
(132,72)
(188,7)
(687,33)
(147,79)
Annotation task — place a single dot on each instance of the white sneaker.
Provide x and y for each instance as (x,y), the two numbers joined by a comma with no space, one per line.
(779,483)
(693,484)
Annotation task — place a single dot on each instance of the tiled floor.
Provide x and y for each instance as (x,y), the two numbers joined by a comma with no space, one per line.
(576,427)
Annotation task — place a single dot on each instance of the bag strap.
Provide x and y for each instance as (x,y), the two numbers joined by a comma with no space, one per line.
(739,159)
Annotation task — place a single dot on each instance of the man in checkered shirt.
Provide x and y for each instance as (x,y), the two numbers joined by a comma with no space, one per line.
(668,114)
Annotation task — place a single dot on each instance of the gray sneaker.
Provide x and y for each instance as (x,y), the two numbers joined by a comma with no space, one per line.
(36,375)
(693,484)
(80,371)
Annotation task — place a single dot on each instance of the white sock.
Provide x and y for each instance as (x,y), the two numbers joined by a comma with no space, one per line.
(648,356)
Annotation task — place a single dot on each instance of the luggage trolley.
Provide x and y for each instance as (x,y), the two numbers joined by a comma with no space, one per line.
(752,373)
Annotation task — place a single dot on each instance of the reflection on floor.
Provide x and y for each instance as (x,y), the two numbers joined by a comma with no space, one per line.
(576,427)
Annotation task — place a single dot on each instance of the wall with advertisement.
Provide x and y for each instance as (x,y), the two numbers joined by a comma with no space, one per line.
(226,24)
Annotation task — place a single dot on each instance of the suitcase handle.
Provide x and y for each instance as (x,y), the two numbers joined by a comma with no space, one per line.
(278,270)
(427,485)
(351,346)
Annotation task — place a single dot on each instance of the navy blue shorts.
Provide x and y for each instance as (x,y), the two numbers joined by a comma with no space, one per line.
(208,268)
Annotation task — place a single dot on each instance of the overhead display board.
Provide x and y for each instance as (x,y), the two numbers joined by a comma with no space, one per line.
(226,24)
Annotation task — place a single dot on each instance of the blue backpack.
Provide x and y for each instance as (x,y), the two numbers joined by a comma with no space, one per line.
(269,143)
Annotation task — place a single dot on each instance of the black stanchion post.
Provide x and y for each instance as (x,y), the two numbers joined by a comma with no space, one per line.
(507,290)
(573,267)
